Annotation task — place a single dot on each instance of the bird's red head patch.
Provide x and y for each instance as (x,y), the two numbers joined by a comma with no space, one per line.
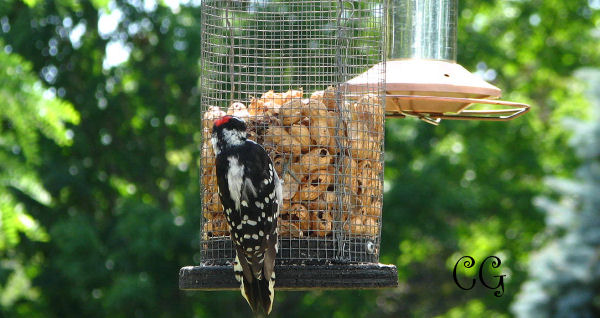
(222,120)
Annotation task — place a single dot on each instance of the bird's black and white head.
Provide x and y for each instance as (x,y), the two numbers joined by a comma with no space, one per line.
(228,131)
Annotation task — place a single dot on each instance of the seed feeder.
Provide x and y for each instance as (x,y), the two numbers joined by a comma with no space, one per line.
(281,66)
(298,72)
(422,77)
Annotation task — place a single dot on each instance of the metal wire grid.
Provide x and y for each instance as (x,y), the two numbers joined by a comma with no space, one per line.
(280,66)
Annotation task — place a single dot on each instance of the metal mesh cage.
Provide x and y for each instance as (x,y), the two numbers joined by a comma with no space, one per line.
(281,65)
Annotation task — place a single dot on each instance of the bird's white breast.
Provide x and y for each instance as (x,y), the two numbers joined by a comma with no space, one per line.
(235,178)
(214,141)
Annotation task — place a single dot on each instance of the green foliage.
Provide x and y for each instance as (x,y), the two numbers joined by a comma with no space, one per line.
(564,275)
(467,188)
(118,193)
(473,308)
(124,209)
(29,112)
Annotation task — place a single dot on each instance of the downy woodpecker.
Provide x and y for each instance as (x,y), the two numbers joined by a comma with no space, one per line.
(251,194)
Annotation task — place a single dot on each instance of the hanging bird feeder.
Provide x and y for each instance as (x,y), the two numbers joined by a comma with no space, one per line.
(422,77)
(301,75)
(281,65)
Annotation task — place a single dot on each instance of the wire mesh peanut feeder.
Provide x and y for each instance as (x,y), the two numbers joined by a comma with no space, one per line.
(281,65)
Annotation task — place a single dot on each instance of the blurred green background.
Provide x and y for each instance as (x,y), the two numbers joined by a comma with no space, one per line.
(99,136)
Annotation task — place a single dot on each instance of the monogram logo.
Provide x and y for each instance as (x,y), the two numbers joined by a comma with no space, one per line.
(470,262)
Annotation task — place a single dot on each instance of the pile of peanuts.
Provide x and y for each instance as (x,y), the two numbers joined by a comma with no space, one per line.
(328,155)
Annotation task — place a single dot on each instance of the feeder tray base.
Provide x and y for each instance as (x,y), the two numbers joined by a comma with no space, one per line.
(295,277)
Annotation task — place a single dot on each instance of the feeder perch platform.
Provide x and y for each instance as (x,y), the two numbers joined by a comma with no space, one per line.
(301,265)
(295,277)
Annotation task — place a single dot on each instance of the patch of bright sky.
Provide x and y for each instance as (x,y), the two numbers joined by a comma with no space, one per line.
(117,51)
(76,33)
(535,19)
(174,5)
(108,22)
(150,5)
(485,73)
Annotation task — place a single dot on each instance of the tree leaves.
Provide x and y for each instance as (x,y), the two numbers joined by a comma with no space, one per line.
(28,113)
(564,275)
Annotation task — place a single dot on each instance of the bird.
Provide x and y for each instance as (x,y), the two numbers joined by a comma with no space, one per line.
(251,194)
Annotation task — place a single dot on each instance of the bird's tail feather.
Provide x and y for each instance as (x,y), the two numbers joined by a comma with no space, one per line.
(259,294)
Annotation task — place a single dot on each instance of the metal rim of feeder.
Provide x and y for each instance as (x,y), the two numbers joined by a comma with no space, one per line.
(423,79)
(248,46)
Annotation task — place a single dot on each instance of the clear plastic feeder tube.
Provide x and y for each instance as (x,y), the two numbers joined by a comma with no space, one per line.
(423,29)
